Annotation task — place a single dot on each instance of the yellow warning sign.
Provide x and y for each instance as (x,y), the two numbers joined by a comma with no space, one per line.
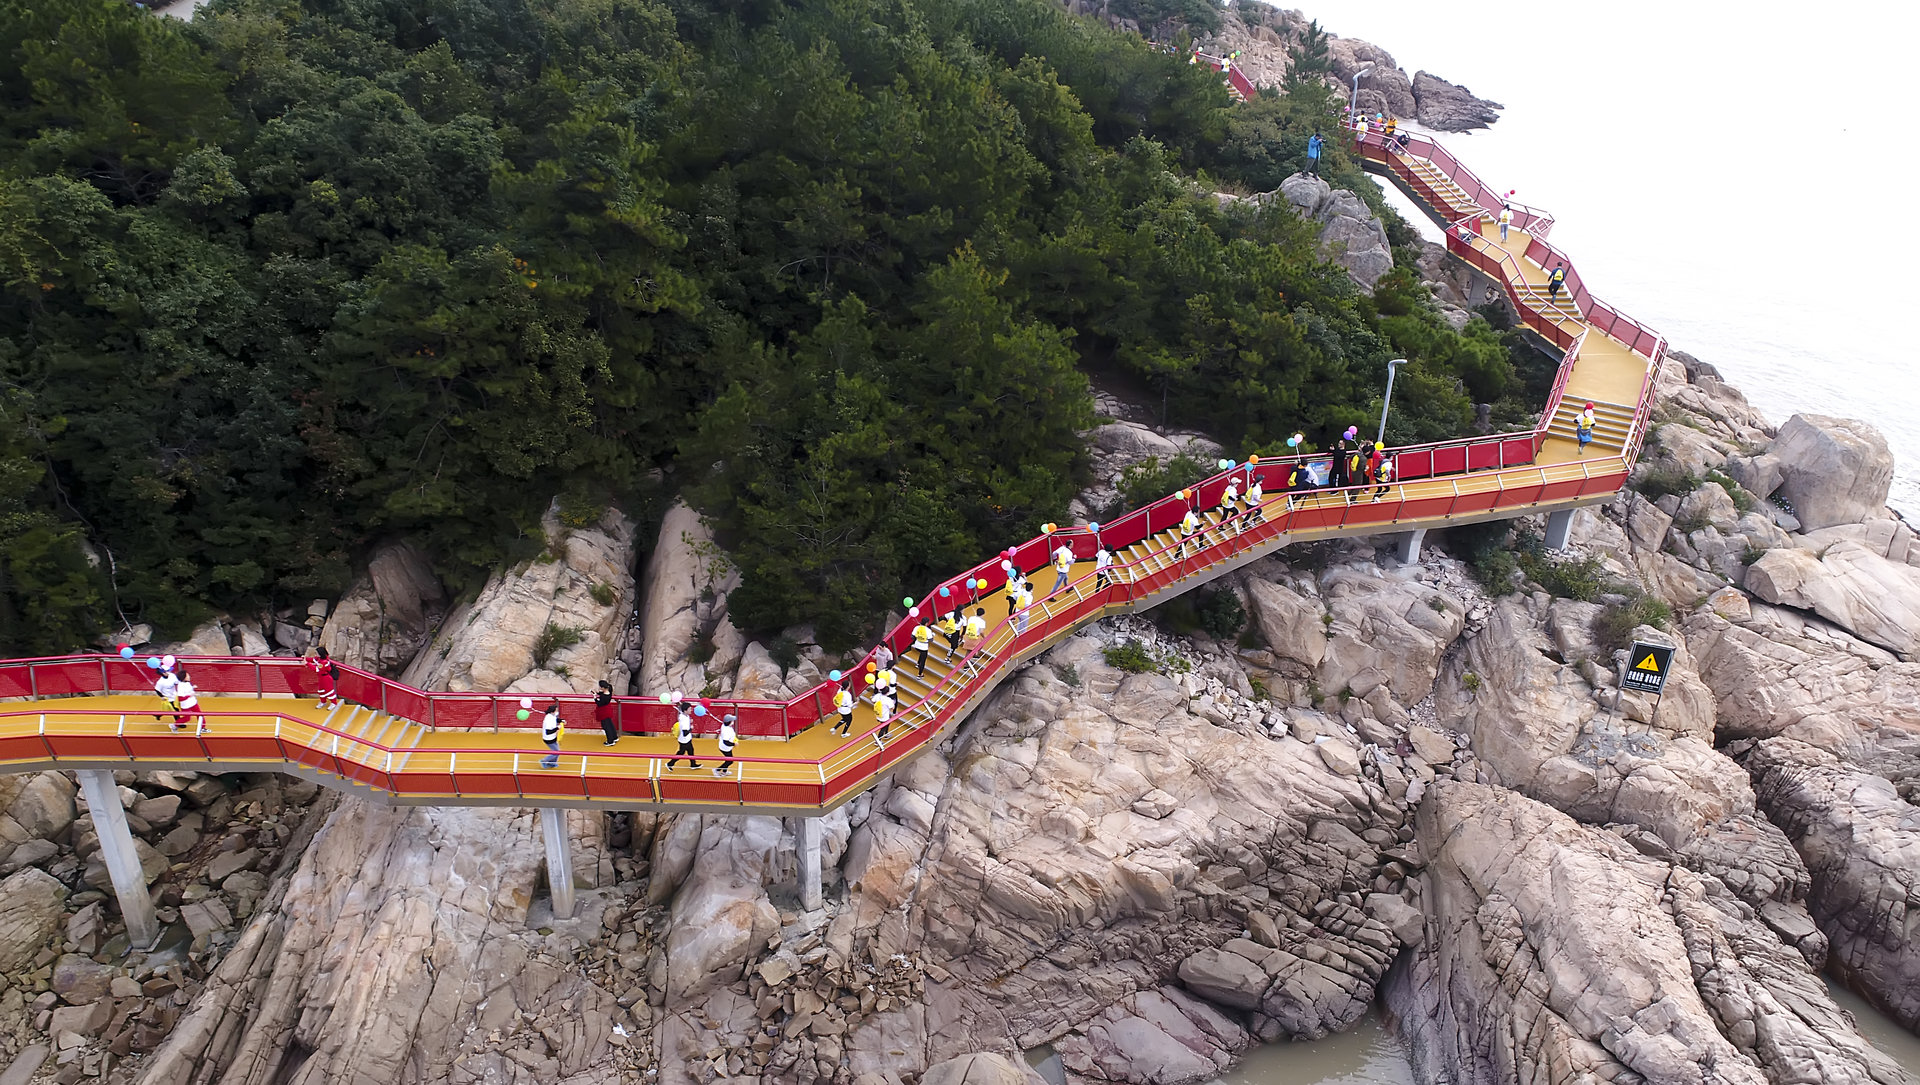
(1649,670)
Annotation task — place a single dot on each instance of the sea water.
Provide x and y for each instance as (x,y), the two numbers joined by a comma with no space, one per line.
(1717,171)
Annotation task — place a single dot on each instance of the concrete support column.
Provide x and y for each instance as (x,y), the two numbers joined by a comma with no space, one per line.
(123,862)
(1559,526)
(1407,545)
(806,846)
(553,826)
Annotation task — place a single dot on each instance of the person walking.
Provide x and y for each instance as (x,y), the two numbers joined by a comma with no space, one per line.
(883,655)
(1315,145)
(187,700)
(728,739)
(1393,124)
(1062,566)
(683,734)
(884,683)
(327,675)
(1256,494)
(1014,577)
(922,640)
(603,712)
(951,627)
(1383,474)
(1583,428)
(1337,471)
(1299,481)
(168,687)
(1555,279)
(976,633)
(550,734)
(882,715)
(1102,564)
(1189,524)
(843,700)
(1506,220)
(1024,600)
(1229,504)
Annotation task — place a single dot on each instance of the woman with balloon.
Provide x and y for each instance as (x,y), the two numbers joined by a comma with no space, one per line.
(682,729)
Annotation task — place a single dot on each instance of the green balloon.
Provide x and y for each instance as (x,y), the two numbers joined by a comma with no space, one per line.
(522,714)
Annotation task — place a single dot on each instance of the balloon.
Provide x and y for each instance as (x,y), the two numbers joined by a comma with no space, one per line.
(907,602)
(834,675)
(913,612)
(678,696)
(1093,527)
(153,662)
(699,710)
(1293,442)
(970,583)
(1299,438)
(1186,493)
(946,593)
(526,702)
(1352,432)
(1224,464)
(1046,529)
(1008,552)
(1251,460)
(522,714)
(666,698)
(869,679)
(1007,566)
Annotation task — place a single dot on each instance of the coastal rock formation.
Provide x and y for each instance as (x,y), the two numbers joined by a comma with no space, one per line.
(1831,470)
(1385,88)
(1448,107)
(548,625)
(1555,952)
(1349,234)
(1874,599)
(1861,840)
(388,614)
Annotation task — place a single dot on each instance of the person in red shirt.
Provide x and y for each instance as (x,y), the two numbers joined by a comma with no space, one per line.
(327,675)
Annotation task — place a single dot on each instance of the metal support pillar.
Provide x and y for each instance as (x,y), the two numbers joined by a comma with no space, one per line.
(553,825)
(123,862)
(1407,545)
(1559,526)
(806,847)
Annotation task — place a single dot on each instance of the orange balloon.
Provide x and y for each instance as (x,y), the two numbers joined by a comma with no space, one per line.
(871,666)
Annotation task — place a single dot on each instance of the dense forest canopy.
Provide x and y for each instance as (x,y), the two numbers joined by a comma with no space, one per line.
(304,274)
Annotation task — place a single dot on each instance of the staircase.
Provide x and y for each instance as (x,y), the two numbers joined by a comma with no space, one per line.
(362,732)
(1611,425)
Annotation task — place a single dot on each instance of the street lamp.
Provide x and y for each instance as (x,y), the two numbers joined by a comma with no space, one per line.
(1353,104)
(1393,365)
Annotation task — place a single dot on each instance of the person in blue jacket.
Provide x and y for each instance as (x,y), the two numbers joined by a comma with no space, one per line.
(1314,147)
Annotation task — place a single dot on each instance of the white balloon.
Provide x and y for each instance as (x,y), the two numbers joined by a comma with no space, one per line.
(913,612)
(526,702)
(678,696)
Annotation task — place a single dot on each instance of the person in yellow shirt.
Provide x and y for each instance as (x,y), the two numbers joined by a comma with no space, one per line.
(922,640)
(842,703)
(1189,525)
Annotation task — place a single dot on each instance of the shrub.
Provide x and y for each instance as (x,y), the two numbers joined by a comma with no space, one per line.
(1221,614)
(1484,547)
(702,649)
(1659,482)
(1132,657)
(552,639)
(1580,579)
(785,652)
(1752,554)
(1070,674)
(1687,525)
(1252,639)
(1260,692)
(1613,627)
(1742,500)
(604,594)
(1471,681)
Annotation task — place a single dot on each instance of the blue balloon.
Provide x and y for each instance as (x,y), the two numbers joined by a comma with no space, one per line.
(126,653)
(835,675)
(153,663)
(945,592)
(699,710)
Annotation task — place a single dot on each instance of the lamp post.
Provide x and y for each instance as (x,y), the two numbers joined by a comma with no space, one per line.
(1392,366)
(1353,104)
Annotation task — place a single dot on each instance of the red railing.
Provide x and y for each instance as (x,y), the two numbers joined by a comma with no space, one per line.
(1373,145)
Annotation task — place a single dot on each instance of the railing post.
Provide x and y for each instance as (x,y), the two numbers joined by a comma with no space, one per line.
(104,688)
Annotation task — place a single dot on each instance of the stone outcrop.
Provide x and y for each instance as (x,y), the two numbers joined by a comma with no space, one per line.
(1448,107)
(684,605)
(30,911)
(1385,88)
(1862,592)
(1831,470)
(388,614)
(576,595)
(1861,841)
(1350,235)
(1555,952)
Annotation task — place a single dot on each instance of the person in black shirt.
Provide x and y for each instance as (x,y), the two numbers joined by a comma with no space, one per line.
(603,711)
